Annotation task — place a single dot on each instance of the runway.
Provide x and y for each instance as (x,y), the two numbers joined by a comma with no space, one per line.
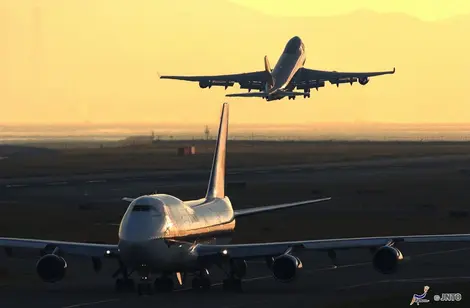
(319,285)
(178,177)
(113,189)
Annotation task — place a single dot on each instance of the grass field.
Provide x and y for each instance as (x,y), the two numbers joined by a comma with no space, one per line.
(162,156)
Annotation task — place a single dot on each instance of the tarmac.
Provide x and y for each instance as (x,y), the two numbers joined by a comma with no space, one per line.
(318,285)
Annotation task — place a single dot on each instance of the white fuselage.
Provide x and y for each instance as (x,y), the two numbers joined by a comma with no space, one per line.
(291,60)
(157,231)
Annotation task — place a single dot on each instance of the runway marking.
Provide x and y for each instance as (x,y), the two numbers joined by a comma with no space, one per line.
(355,286)
(57,183)
(15,185)
(93,303)
(96,181)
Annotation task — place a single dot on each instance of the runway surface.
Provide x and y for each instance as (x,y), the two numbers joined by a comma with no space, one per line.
(319,285)
(404,191)
(190,176)
(101,189)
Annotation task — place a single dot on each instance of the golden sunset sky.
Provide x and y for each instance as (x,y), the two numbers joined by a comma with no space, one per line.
(75,61)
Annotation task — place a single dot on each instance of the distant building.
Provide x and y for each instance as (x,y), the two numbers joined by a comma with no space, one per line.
(184,151)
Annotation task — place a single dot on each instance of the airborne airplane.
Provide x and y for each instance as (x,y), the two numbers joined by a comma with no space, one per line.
(287,75)
(161,235)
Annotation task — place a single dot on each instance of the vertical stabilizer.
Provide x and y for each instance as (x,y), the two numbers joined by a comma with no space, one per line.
(216,188)
(269,76)
(267,66)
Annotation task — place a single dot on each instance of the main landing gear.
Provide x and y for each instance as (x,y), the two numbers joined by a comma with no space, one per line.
(163,284)
(202,281)
(236,272)
(124,284)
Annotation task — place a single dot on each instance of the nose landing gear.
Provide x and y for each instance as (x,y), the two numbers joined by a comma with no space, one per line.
(144,286)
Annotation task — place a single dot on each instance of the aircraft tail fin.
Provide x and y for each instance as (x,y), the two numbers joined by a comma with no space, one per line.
(267,66)
(216,187)
(268,70)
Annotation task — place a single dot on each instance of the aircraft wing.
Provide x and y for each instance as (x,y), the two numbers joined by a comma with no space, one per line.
(72,248)
(316,78)
(269,208)
(253,251)
(251,80)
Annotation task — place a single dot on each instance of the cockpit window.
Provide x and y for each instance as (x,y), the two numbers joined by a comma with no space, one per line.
(293,45)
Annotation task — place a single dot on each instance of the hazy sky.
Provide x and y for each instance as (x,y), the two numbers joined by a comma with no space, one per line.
(423,9)
(97,60)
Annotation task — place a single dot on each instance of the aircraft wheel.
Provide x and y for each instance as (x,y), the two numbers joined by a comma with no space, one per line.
(205,283)
(201,283)
(140,290)
(119,285)
(144,288)
(129,285)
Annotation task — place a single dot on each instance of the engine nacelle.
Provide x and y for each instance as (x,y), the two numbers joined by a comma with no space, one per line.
(386,259)
(363,80)
(204,84)
(51,268)
(238,267)
(285,267)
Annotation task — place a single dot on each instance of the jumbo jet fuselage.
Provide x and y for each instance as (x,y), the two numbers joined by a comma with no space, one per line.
(157,231)
(291,60)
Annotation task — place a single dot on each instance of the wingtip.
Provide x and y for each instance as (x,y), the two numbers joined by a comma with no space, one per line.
(393,71)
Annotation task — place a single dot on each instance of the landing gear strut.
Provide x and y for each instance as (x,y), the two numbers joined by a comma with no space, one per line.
(234,282)
(124,284)
(307,93)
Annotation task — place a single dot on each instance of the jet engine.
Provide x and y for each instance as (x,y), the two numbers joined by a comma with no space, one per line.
(285,267)
(51,268)
(386,259)
(363,80)
(204,84)
(238,267)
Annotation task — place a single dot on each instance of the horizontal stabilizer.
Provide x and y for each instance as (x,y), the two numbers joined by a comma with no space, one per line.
(128,199)
(269,208)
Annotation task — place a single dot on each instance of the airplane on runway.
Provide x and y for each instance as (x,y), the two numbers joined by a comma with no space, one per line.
(161,235)
(288,74)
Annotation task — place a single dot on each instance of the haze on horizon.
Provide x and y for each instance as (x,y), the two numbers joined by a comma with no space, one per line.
(97,61)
